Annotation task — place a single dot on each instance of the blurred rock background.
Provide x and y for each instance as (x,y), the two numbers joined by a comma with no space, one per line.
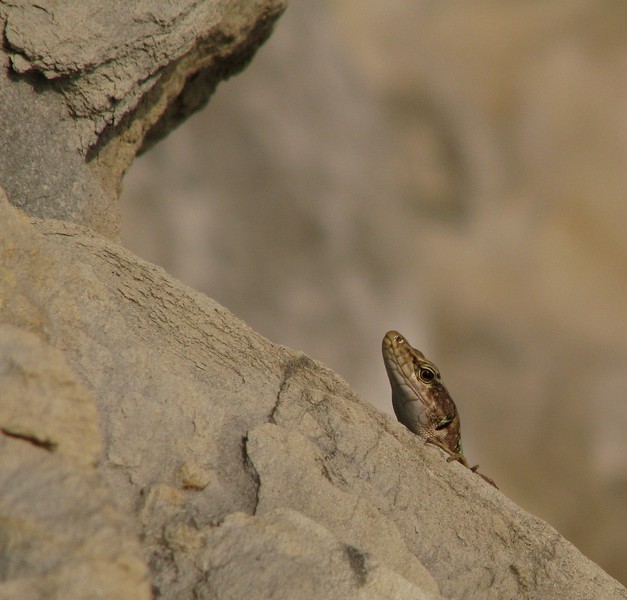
(454,170)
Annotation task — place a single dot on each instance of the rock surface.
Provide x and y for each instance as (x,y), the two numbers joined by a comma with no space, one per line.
(97,81)
(224,450)
(63,535)
(154,444)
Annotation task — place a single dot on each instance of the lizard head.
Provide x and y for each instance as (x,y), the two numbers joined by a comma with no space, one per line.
(420,399)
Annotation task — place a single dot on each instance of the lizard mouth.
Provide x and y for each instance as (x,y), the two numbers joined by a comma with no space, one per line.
(390,347)
(396,357)
(390,355)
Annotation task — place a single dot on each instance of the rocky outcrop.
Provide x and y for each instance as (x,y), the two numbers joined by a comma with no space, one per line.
(152,443)
(229,465)
(86,86)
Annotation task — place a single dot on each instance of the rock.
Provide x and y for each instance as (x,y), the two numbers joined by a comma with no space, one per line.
(293,473)
(63,535)
(284,545)
(85,86)
(42,402)
(184,387)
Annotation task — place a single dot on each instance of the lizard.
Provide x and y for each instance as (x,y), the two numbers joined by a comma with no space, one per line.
(420,400)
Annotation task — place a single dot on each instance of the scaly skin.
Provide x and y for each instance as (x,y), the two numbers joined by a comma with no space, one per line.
(420,400)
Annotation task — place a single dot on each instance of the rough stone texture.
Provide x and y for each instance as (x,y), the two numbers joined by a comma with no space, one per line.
(62,534)
(97,81)
(153,443)
(41,399)
(248,469)
(284,545)
(454,170)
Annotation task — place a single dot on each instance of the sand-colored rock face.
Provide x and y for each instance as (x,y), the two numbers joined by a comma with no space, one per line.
(63,533)
(154,445)
(229,465)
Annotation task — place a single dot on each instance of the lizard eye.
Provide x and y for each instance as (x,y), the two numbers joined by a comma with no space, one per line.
(426,374)
(443,424)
